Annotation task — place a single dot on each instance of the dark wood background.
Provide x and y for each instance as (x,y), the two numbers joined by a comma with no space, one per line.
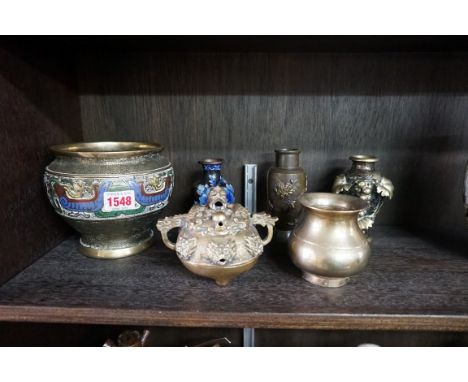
(410,109)
(36,110)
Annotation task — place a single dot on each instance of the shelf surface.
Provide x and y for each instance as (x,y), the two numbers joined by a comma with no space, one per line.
(411,283)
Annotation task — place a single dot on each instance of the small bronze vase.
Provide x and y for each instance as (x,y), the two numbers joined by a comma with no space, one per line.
(367,184)
(212,177)
(286,182)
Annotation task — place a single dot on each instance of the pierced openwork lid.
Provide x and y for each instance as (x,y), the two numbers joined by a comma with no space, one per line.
(218,217)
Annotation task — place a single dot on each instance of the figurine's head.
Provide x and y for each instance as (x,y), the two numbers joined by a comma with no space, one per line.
(217,198)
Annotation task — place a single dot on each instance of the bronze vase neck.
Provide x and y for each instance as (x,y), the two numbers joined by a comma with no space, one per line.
(287,158)
(363,163)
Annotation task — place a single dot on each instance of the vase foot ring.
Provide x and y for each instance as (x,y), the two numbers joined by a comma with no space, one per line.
(115,253)
(329,282)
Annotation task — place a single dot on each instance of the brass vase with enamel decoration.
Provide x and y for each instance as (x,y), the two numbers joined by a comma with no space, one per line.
(111,193)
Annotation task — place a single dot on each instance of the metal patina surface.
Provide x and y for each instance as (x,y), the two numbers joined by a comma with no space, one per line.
(328,244)
(367,184)
(110,192)
(219,240)
(286,182)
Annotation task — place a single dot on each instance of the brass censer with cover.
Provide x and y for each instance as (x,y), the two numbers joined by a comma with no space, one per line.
(218,240)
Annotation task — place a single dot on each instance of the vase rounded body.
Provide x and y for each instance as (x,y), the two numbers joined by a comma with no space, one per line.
(111,193)
(328,244)
(286,182)
(364,182)
(211,177)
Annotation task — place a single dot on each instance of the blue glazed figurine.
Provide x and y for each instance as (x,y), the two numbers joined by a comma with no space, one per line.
(212,178)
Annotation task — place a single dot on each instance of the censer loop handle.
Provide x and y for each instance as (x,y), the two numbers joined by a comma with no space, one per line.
(265,220)
(167,224)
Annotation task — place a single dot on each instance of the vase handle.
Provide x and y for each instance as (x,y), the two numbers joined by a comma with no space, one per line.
(265,220)
(166,224)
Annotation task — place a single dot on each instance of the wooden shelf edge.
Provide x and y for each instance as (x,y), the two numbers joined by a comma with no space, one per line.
(234,320)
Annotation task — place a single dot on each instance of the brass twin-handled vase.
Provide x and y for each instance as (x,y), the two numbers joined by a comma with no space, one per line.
(111,193)
(217,240)
(363,181)
(328,244)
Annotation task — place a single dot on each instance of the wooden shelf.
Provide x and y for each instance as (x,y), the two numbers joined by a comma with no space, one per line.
(411,283)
